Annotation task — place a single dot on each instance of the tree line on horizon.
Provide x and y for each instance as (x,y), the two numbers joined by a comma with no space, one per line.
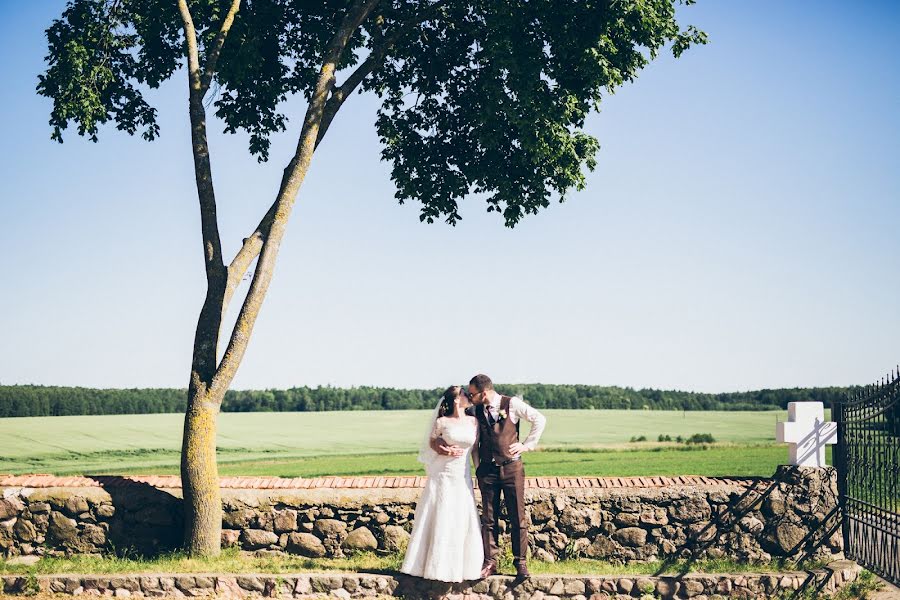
(47,401)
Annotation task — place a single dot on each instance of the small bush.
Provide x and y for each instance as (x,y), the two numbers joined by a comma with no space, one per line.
(701,438)
(642,438)
(664,438)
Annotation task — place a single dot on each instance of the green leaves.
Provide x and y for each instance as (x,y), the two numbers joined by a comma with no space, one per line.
(484,97)
(490,97)
(91,73)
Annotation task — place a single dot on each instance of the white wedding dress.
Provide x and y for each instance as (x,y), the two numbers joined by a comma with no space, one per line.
(445,544)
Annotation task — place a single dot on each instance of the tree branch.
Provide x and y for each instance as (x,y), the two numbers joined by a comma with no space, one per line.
(216,49)
(372,62)
(253,244)
(206,337)
(190,38)
(293,178)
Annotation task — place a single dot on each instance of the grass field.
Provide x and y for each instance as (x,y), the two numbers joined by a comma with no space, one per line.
(576,442)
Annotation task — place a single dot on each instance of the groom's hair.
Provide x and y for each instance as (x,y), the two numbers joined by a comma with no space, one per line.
(482,382)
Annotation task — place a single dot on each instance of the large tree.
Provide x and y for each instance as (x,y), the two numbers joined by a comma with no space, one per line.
(476,96)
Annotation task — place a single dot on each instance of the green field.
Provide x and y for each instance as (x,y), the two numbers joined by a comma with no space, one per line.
(576,442)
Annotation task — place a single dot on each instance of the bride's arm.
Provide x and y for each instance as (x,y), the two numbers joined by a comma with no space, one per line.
(436,441)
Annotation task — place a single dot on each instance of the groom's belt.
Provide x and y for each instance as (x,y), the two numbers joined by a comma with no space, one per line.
(503,463)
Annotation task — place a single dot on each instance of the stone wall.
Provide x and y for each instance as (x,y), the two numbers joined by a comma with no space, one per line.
(793,514)
(362,585)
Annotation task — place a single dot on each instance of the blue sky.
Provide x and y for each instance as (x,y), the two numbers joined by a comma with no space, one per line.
(740,232)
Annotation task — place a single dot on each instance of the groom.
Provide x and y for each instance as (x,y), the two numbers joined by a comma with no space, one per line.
(500,471)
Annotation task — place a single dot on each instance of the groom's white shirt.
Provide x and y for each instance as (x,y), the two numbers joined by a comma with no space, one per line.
(518,410)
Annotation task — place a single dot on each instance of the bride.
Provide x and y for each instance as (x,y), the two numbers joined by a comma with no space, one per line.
(446,544)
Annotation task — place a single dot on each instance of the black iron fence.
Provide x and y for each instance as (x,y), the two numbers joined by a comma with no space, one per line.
(867,457)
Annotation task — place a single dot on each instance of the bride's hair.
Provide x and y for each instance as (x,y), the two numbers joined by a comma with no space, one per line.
(449,399)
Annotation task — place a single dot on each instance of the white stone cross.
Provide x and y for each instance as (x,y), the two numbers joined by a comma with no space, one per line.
(807,432)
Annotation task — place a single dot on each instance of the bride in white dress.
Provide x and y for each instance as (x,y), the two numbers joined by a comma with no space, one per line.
(445,544)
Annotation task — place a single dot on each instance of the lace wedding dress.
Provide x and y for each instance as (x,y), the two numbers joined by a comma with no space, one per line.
(445,544)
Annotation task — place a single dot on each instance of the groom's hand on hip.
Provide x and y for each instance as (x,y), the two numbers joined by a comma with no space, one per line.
(517,448)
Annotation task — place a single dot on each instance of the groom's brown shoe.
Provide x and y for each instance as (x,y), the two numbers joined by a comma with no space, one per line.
(522,571)
(488,570)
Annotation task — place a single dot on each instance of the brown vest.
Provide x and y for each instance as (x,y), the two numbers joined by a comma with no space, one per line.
(494,441)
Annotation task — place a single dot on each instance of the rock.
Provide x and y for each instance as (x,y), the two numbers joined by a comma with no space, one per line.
(602,547)
(774,504)
(93,535)
(702,531)
(395,538)
(626,520)
(543,555)
(251,583)
(330,527)
(625,586)
(39,508)
(24,530)
(257,538)
(690,510)
(122,593)
(305,544)
(579,545)
(631,536)
(76,505)
(230,537)
(238,519)
(557,588)
(751,524)
(106,511)
(645,585)
(285,521)
(302,587)
(654,516)
(361,540)
(9,507)
(789,536)
(61,529)
(541,511)
(573,520)
(23,560)
(667,587)
(573,587)
(692,587)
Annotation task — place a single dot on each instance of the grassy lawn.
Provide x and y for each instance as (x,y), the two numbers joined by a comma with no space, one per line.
(576,442)
(234,561)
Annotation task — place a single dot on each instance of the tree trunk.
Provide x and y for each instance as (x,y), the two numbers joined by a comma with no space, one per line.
(199,472)
(200,476)
(210,378)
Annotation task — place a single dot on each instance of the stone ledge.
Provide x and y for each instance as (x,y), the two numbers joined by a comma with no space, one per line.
(699,586)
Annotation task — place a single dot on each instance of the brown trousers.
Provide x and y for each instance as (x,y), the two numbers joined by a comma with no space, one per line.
(508,481)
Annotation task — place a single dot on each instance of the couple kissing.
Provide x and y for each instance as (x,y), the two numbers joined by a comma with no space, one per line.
(449,542)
